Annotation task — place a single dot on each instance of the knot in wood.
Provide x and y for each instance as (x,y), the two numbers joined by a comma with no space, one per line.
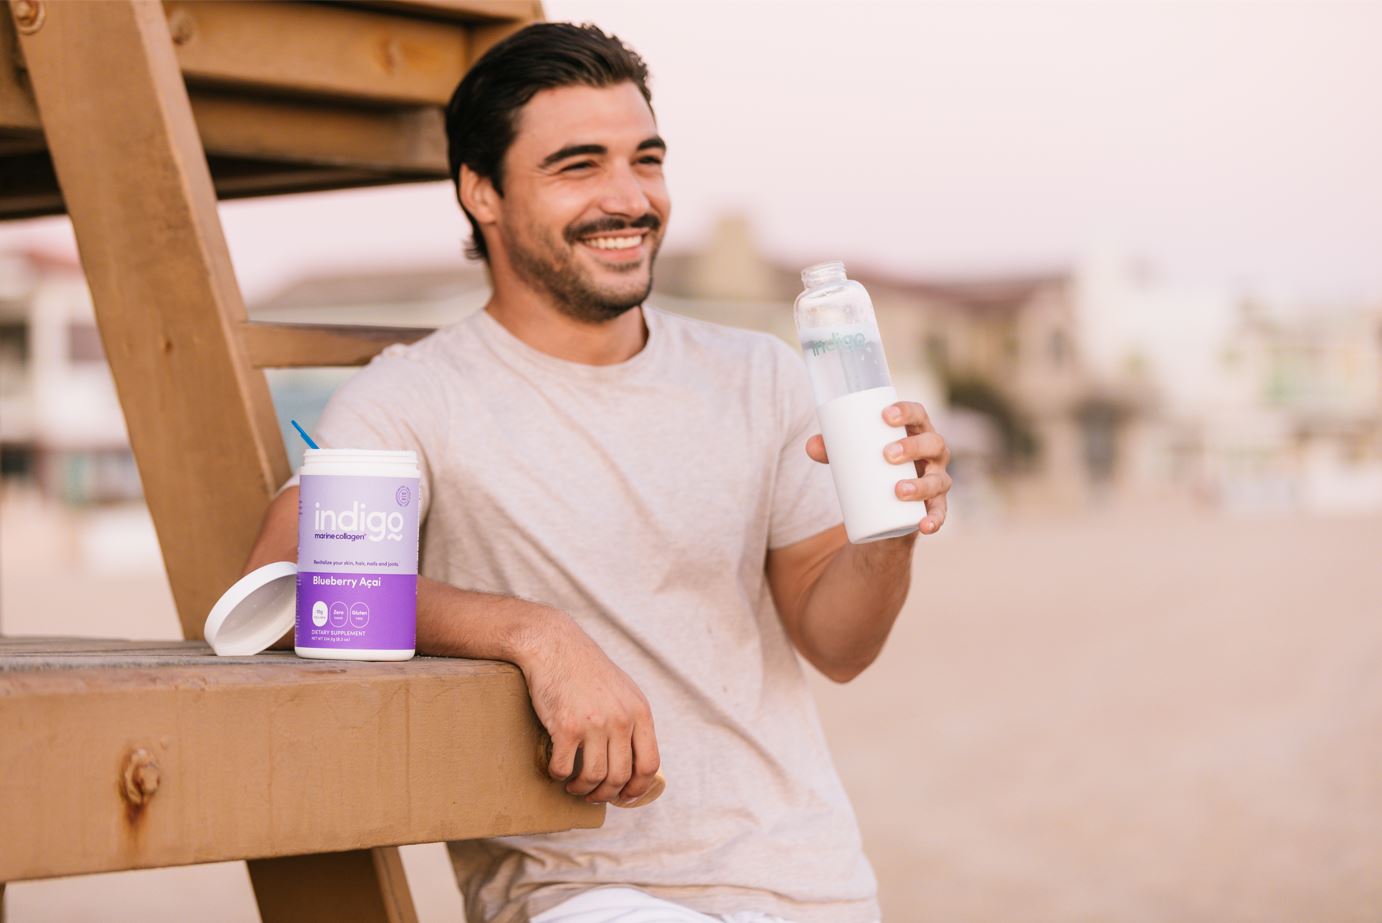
(28,15)
(392,58)
(141,777)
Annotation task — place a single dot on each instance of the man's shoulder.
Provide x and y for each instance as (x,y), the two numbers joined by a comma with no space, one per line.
(434,352)
(418,378)
(721,340)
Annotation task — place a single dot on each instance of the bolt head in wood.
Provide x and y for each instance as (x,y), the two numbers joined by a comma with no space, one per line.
(28,15)
(181,26)
(141,777)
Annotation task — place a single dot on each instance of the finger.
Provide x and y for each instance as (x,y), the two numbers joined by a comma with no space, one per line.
(594,763)
(620,767)
(935,515)
(646,763)
(909,414)
(563,761)
(815,448)
(921,447)
(926,487)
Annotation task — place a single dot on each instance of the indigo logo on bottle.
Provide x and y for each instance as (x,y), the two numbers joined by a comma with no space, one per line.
(403,496)
(848,341)
(358,522)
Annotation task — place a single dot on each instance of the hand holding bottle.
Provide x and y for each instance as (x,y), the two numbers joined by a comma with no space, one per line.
(923,448)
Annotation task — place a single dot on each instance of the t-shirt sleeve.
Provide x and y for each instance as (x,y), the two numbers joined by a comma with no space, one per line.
(392,403)
(803,502)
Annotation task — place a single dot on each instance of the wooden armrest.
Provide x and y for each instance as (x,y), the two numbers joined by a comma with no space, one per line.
(122,755)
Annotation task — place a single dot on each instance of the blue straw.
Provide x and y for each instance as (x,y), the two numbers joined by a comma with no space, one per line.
(303,433)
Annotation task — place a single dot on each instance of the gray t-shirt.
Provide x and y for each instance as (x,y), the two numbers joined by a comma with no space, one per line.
(641,498)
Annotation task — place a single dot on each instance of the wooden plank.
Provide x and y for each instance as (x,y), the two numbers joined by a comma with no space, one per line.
(200,419)
(409,141)
(306,345)
(28,186)
(239,178)
(468,10)
(44,653)
(366,885)
(256,145)
(277,756)
(319,50)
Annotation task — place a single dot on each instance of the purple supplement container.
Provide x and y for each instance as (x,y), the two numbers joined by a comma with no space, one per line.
(357,555)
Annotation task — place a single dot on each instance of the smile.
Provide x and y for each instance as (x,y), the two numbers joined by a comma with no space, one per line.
(612,242)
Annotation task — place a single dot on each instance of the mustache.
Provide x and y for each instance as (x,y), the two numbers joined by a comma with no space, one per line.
(575,232)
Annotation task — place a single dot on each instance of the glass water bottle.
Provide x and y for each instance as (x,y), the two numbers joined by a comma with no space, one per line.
(849,375)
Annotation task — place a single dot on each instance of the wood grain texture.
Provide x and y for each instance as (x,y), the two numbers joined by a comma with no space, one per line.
(265,756)
(319,50)
(306,345)
(469,10)
(409,141)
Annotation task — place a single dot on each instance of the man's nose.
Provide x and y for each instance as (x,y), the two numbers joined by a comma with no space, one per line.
(623,194)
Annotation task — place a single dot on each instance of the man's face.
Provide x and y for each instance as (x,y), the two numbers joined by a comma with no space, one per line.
(585,205)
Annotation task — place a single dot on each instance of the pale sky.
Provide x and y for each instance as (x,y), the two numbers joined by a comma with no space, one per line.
(1232,145)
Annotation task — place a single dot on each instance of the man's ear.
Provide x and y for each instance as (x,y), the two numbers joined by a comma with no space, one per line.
(478,195)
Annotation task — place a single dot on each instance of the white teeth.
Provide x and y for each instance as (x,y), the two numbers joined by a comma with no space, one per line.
(615,243)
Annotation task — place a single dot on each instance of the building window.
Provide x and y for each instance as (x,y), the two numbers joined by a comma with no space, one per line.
(14,357)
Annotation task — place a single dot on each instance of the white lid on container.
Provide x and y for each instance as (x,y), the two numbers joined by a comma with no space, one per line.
(255,612)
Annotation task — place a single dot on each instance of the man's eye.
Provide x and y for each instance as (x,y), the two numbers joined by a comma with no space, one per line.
(583,165)
(655,161)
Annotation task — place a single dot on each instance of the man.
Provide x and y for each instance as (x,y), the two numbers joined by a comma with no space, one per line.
(625,504)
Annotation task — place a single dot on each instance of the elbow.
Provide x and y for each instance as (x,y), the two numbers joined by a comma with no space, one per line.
(841,673)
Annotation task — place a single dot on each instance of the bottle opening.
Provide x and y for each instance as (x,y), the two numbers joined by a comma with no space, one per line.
(821,273)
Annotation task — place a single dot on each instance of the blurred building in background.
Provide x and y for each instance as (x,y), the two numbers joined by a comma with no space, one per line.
(1064,389)
(61,426)
(1298,421)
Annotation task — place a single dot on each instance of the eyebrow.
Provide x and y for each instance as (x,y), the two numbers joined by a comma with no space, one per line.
(598,150)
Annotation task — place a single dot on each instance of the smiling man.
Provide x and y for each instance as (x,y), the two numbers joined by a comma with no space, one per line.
(632,507)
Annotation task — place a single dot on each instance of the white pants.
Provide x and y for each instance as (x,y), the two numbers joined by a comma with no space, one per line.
(629,905)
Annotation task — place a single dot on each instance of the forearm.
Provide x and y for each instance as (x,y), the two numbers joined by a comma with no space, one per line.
(463,623)
(852,605)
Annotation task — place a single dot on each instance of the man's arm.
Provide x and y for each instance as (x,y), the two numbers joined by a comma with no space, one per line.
(838,601)
(584,701)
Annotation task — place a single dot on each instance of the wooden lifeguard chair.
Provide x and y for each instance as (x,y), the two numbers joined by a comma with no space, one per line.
(134,117)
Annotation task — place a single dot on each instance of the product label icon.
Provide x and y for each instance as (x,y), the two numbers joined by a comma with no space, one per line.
(338,615)
(319,613)
(359,615)
(403,495)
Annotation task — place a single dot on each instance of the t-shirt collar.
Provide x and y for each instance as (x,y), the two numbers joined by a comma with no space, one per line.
(500,337)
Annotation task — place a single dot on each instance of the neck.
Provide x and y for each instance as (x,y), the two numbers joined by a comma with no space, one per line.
(534,318)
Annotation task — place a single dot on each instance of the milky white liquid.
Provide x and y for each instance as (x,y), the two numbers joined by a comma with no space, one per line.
(865,481)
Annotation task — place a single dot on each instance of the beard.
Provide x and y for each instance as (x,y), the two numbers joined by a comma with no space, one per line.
(552,268)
